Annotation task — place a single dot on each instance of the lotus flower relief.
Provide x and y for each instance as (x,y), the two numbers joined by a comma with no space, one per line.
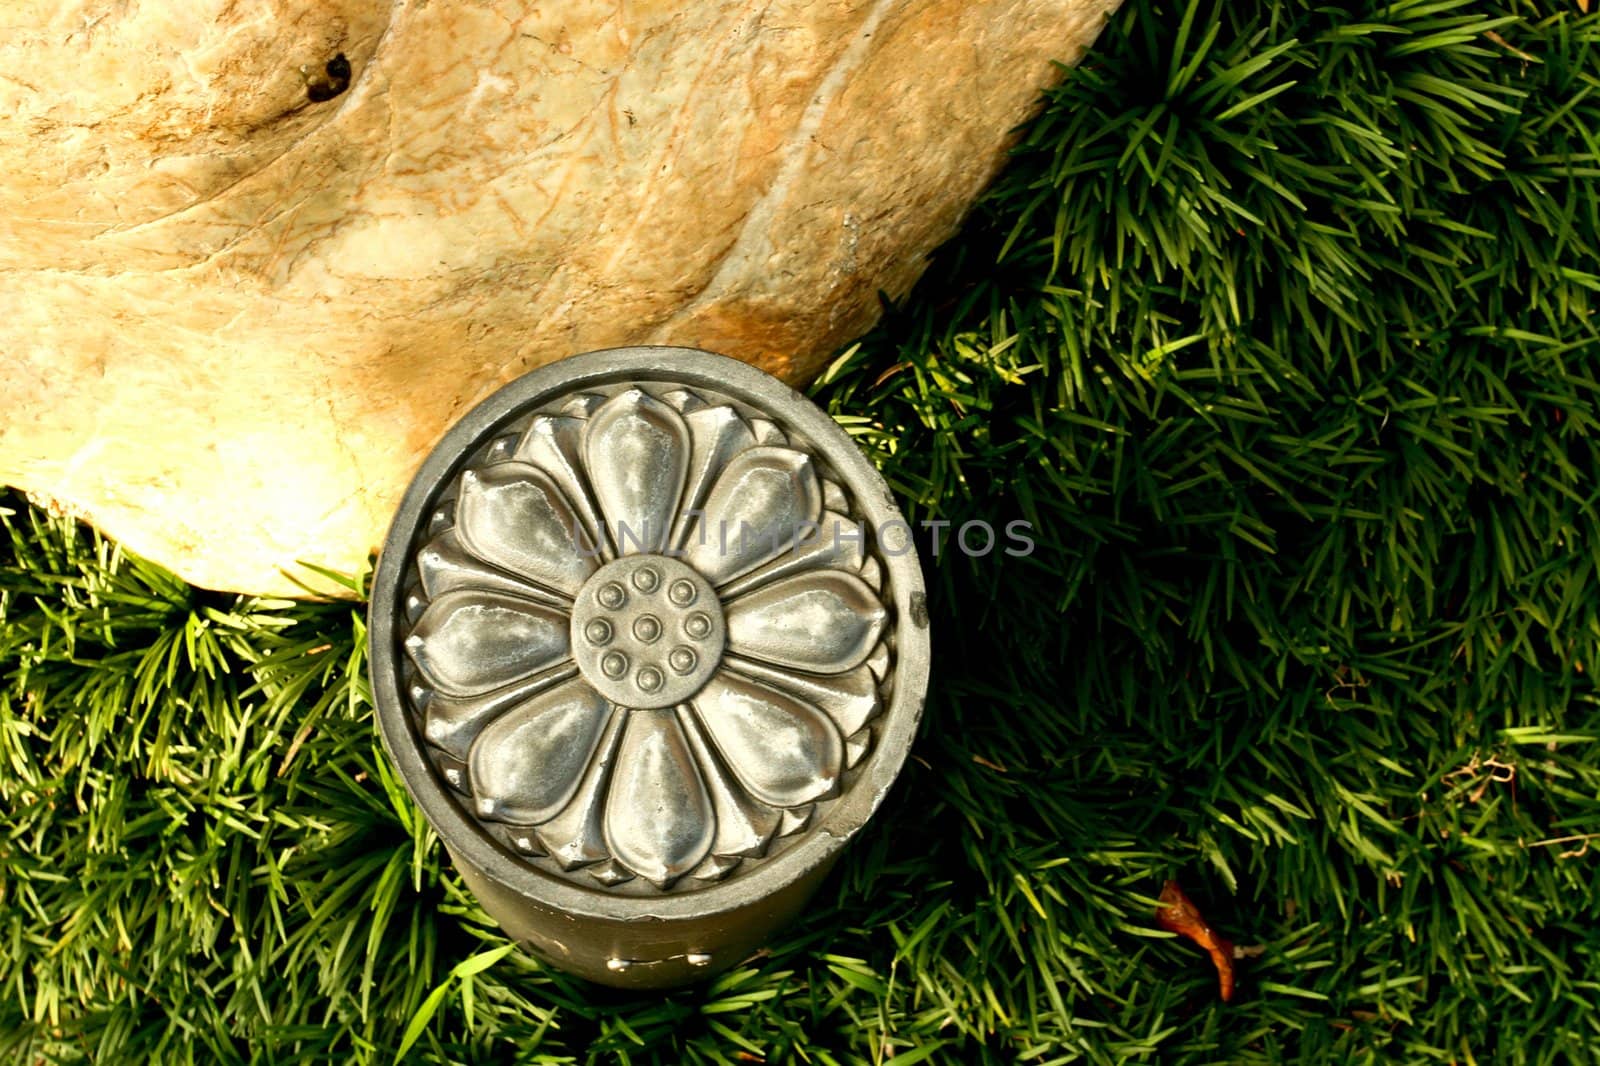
(648,639)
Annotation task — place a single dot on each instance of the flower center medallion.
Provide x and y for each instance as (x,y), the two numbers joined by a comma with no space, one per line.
(647,631)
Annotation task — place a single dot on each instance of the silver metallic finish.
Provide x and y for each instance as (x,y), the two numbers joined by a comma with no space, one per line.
(647,631)
(642,658)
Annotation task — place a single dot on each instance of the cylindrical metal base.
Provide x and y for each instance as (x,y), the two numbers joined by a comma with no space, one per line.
(644,951)
(648,646)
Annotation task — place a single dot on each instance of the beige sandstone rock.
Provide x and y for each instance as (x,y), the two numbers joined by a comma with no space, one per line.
(233,319)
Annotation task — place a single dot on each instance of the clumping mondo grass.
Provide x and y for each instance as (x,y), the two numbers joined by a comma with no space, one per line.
(1280,331)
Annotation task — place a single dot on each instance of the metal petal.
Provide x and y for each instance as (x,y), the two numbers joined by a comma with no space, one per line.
(445,564)
(514,516)
(526,764)
(834,542)
(473,641)
(554,443)
(582,404)
(856,747)
(577,835)
(833,497)
(851,699)
(762,502)
(767,432)
(659,821)
(716,435)
(795,819)
(783,751)
(744,826)
(684,400)
(825,622)
(636,449)
(452,723)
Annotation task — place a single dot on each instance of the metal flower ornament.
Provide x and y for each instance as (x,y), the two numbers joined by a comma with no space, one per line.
(648,637)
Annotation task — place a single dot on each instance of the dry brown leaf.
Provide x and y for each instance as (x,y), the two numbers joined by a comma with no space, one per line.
(1503,43)
(1178,914)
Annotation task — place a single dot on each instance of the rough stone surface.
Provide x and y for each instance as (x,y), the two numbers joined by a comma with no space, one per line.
(233,319)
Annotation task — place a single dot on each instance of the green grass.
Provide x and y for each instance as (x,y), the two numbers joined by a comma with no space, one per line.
(1281,331)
